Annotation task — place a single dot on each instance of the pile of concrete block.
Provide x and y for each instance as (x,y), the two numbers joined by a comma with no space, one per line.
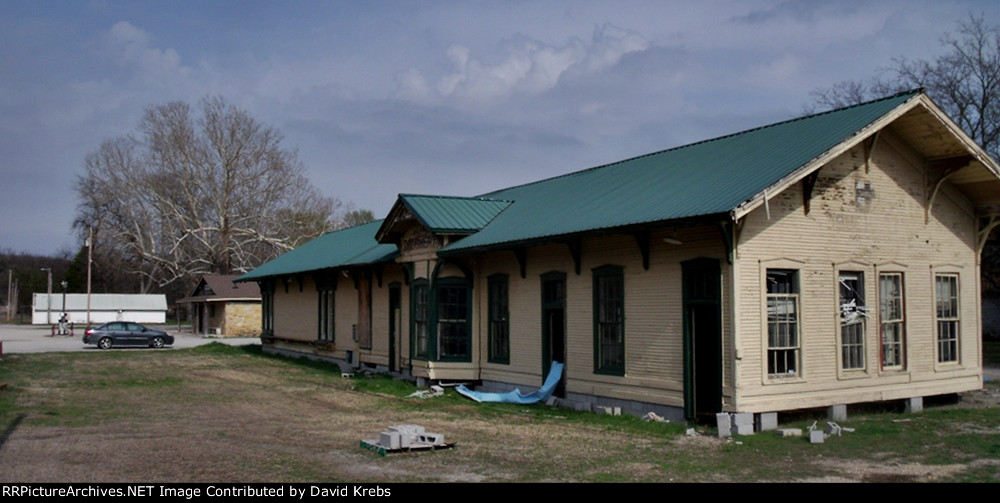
(405,437)
(745,423)
(408,436)
(832,429)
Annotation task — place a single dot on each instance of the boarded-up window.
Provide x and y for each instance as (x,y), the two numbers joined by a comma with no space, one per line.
(782,322)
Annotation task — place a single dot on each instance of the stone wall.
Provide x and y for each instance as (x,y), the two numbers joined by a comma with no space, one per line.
(242,319)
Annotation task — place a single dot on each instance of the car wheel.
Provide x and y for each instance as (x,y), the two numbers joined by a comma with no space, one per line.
(104,343)
(157,342)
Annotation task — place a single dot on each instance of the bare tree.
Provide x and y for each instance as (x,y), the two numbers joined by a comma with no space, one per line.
(964,81)
(358,217)
(187,195)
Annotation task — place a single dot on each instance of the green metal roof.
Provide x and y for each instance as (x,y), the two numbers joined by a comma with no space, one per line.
(453,215)
(342,248)
(706,178)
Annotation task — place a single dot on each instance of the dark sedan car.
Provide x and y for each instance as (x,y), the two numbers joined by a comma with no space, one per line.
(126,333)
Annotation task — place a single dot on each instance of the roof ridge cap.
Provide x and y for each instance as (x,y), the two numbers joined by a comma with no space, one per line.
(471,198)
(914,92)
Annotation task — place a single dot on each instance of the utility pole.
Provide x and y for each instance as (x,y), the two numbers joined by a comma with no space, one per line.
(90,249)
(10,286)
(48,297)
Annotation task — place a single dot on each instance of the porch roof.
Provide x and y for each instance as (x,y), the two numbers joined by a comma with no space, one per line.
(341,248)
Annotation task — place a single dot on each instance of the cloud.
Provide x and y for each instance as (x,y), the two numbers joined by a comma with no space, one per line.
(527,67)
(130,48)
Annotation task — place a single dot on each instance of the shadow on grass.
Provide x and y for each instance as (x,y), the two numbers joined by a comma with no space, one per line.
(10,429)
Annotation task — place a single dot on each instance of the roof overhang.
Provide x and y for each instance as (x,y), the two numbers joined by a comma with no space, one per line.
(925,127)
(708,219)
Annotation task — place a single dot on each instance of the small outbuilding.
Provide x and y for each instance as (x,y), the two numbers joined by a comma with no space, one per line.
(104,307)
(222,308)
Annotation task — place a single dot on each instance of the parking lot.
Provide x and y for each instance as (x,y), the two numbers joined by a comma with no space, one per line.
(39,339)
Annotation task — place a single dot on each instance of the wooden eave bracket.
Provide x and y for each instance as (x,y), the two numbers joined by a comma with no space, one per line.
(521,253)
(407,272)
(808,183)
(576,251)
(947,168)
(870,149)
(641,239)
(984,233)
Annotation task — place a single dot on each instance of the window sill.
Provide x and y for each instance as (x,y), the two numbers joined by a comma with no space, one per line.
(776,379)
(618,373)
(851,374)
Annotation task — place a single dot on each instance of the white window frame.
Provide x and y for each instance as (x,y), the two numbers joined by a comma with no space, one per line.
(852,321)
(792,348)
(947,313)
(892,319)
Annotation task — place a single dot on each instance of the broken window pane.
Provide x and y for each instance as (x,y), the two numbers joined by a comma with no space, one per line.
(852,320)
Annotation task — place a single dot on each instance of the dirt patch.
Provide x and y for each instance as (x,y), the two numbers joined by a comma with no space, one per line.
(190,417)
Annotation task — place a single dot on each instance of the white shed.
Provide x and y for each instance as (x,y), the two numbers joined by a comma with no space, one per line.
(104,307)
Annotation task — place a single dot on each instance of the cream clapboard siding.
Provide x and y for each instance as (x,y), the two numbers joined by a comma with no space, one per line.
(345,309)
(378,354)
(886,234)
(653,314)
(296,310)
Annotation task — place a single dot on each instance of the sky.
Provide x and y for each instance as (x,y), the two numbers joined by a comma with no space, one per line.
(425,97)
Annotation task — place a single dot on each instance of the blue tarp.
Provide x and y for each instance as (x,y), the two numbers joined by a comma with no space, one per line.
(542,395)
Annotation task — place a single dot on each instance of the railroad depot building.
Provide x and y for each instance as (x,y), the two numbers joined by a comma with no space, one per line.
(817,262)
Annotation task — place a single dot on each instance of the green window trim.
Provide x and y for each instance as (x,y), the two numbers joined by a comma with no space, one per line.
(419,320)
(326,317)
(499,319)
(452,315)
(266,308)
(609,320)
(326,293)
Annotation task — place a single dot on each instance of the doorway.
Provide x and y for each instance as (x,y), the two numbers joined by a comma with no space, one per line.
(702,279)
(394,323)
(554,327)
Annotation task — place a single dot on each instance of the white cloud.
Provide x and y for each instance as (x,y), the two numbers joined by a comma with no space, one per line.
(528,66)
(130,47)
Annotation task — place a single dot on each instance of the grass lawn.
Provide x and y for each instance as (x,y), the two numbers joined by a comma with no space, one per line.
(227,414)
